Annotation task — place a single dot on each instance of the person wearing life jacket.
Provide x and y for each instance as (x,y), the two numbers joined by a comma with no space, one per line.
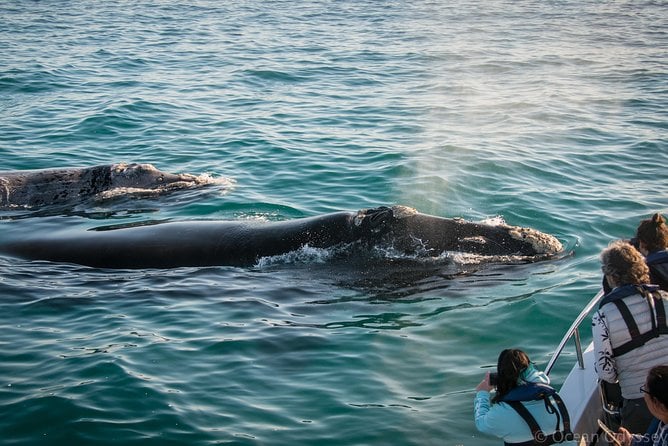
(652,241)
(655,392)
(629,330)
(652,237)
(525,410)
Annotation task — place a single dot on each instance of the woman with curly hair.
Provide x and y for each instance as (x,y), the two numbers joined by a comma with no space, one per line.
(629,329)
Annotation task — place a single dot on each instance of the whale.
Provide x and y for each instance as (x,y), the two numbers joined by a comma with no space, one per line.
(200,243)
(37,188)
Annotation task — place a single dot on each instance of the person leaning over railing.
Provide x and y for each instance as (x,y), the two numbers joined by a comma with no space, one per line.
(629,330)
(525,410)
(655,392)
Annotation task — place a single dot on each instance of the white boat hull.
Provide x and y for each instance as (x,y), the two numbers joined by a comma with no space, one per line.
(580,393)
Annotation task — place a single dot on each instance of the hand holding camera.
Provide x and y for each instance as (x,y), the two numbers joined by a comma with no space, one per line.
(486,384)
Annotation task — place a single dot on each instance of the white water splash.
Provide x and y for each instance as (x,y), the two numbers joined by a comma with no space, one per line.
(304,255)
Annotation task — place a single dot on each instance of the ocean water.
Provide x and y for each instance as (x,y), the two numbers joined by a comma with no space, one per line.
(548,114)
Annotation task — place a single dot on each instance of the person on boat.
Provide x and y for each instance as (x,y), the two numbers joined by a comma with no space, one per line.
(655,392)
(525,410)
(629,330)
(652,239)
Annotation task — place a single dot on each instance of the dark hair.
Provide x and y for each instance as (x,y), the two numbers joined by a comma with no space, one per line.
(653,232)
(512,362)
(657,384)
(624,263)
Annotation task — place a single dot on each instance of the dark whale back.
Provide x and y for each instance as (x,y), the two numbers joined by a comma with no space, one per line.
(188,243)
(243,243)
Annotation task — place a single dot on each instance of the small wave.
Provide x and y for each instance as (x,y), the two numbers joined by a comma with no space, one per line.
(275,76)
(41,80)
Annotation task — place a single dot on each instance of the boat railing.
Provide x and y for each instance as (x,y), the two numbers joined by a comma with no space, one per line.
(574,332)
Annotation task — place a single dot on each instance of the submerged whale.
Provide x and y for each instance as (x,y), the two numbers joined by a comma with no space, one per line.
(244,243)
(37,188)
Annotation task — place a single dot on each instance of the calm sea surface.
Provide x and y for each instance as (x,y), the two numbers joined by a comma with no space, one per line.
(550,114)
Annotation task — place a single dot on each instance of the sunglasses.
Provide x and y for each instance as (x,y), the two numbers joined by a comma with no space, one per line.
(643,389)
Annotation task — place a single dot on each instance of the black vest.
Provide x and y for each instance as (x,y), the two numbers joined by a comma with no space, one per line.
(658,268)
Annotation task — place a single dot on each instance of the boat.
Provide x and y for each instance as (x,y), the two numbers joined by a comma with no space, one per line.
(586,397)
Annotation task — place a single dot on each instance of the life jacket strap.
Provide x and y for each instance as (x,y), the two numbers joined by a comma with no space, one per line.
(536,432)
(539,437)
(566,418)
(658,316)
(616,294)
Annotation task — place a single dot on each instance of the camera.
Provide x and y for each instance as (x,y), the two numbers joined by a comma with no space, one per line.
(493,379)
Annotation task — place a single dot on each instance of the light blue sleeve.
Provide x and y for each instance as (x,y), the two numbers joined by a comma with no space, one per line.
(486,420)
